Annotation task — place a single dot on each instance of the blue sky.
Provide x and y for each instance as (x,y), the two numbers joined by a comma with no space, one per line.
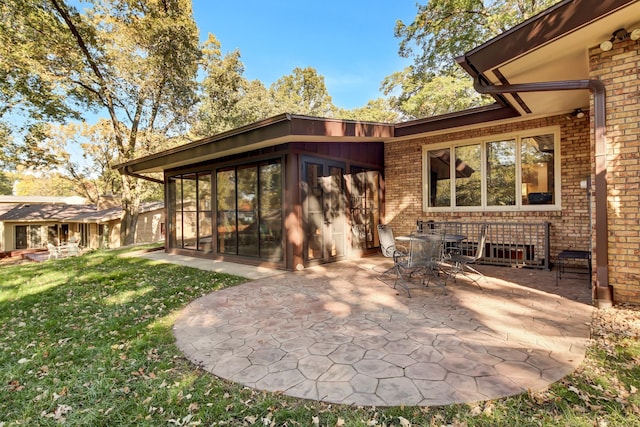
(350,42)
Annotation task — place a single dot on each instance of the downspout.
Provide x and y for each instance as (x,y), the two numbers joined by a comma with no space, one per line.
(603,291)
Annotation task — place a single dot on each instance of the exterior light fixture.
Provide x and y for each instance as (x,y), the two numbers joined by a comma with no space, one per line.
(619,34)
(578,113)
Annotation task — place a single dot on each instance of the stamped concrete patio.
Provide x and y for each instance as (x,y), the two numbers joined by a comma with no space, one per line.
(336,333)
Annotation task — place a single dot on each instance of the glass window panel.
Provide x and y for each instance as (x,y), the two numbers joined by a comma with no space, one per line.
(205,228)
(247,211)
(439,178)
(204,191)
(271,211)
(189,229)
(178,227)
(468,175)
(35,236)
(501,173)
(538,170)
(172,211)
(314,217)
(189,195)
(226,216)
(336,211)
(21,237)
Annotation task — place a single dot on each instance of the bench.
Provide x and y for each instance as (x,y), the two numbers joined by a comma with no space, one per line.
(565,255)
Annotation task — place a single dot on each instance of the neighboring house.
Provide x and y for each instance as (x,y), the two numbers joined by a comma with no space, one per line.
(559,147)
(32,222)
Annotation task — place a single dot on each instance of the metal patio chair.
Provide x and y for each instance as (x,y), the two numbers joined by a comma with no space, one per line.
(389,248)
(461,264)
(423,261)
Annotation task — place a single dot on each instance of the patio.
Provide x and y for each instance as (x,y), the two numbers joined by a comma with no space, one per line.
(336,333)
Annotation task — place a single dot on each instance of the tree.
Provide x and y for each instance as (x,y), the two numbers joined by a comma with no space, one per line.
(228,99)
(441,31)
(133,60)
(43,184)
(378,110)
(420,96)
(6,184)
(302,92)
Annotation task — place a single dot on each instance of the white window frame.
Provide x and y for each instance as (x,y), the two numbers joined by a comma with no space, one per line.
(483,141)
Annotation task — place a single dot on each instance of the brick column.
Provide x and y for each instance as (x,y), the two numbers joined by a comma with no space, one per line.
(618,70)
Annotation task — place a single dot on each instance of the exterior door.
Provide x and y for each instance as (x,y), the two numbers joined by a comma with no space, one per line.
(324,210)
(21,237)
(363,194)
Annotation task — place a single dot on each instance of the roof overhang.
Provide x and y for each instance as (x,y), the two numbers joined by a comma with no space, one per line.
(276,130)
(551,46)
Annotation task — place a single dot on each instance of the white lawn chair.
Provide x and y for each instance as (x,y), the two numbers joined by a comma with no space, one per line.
(54,251)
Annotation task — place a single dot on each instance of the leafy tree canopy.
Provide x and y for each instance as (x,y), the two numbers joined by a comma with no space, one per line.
(302,92)
(441,31)
(133,61)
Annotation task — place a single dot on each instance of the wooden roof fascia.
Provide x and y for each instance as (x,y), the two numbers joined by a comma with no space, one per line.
(473,116)
(275,130)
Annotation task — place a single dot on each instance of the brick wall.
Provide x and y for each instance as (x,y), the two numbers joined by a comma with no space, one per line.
(569,227)
(618,70)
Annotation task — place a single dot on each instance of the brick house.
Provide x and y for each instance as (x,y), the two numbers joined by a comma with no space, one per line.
(559,147)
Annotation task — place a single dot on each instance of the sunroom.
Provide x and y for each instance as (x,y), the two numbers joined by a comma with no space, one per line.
(289,191)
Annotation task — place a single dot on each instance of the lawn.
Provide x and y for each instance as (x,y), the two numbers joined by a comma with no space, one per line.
(88,341)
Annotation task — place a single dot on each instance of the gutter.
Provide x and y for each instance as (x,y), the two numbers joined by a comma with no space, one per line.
(126,170)
(604,292)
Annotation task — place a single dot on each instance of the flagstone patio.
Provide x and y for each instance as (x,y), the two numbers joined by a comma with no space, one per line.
(336,333)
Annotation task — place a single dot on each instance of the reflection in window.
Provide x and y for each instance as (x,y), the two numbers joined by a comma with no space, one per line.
(248,210)
(249,202)
(517,172)
(538,170)
(190,211)
(439,178)
(314,215)
(205,230)
(501,173)
(468,186)
(226,202)
(270,211)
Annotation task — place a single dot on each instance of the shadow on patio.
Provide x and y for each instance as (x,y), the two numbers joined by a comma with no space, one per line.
(338,334)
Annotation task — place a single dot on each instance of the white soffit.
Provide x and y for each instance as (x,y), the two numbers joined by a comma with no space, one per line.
(565,58)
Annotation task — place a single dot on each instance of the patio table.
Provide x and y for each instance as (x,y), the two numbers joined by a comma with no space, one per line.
(428,254)
(446,238)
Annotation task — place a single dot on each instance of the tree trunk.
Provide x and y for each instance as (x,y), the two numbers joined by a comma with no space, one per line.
(131,208)
(128,225)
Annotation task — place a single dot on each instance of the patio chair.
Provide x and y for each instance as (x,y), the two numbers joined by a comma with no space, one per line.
(423,260)
(461,264)
(389,248)
(54,251)
(73,248)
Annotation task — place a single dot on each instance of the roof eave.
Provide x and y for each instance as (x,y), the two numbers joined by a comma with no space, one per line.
(472,116)
(554,22)
(269,132)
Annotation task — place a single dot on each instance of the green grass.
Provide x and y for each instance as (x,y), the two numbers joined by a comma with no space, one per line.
(88,341)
